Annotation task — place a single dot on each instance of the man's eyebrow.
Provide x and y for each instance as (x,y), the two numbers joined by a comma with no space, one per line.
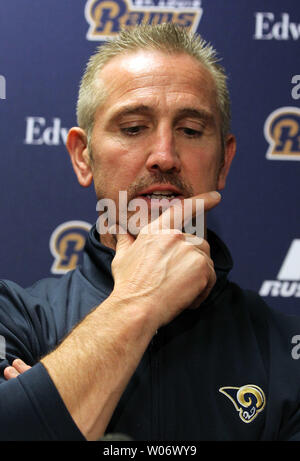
(139,109)
(200,114)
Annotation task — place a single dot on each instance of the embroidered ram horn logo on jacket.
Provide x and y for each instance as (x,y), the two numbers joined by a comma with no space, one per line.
(248,400)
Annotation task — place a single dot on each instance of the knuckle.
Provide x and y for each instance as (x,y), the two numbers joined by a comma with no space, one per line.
(205,247)
(171,237)
(206,270)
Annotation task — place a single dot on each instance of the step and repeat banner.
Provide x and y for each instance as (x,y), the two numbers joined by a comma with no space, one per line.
(45,214)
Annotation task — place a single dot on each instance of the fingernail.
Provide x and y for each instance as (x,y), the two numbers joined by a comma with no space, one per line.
(215,194)
(13,372)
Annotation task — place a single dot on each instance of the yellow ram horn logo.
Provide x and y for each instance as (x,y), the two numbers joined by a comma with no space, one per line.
(248,400)
(66,245)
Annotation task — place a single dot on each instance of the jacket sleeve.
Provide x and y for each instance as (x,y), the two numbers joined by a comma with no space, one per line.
(31,408)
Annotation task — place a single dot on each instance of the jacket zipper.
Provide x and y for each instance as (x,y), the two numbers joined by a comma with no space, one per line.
(155,388)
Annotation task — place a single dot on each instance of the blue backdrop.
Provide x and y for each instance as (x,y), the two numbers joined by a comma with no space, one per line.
(44,46)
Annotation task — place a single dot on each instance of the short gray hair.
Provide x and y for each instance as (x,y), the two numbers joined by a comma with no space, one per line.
(168,38)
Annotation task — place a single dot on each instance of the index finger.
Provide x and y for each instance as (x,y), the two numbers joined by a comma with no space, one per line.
(180,214)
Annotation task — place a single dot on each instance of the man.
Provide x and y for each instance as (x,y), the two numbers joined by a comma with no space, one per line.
(149,338)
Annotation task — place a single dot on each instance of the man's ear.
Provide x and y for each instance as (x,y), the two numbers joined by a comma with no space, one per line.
(78,151)
(229,153)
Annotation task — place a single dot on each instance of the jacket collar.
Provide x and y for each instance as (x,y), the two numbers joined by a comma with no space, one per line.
(97,259)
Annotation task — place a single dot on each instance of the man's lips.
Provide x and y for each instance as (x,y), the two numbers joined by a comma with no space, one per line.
(159,201)
(163,197)
(164,190)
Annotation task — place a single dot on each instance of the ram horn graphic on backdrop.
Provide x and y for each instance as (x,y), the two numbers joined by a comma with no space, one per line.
(66,244)
(282,131)
(107,17)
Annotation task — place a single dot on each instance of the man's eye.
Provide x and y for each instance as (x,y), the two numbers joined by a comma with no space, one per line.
(191,133)
(132,130)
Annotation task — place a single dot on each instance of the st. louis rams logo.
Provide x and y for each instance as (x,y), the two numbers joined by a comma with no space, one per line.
(107,17)
(282,131)
(66,245)
(248,400)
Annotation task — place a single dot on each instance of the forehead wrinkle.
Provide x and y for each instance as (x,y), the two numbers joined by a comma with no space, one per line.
(145,100)
(135,86)
(148,99)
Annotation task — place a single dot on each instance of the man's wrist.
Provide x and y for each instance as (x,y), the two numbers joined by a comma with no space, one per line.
(138,311)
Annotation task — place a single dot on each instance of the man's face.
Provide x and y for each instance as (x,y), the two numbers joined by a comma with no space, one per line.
(158,129)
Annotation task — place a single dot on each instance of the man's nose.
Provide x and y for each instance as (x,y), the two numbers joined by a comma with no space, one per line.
(163,155)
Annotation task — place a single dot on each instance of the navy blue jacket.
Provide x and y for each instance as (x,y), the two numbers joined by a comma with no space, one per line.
(222,372)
